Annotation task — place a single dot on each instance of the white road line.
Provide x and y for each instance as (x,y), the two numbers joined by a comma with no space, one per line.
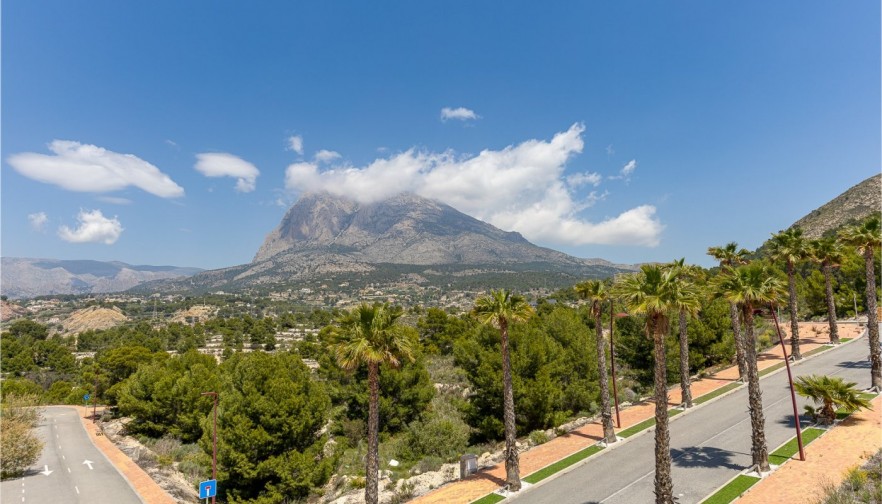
(77,489)
(62,457)
(68,469)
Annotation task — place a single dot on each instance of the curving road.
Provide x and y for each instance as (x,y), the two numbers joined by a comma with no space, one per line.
(70,469)
(709,445)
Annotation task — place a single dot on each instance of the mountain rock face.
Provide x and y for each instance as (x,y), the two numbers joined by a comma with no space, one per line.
(23,277)
(406,229)
(853,205)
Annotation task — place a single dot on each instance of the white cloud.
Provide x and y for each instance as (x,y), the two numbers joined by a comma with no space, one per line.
(295,143)
(521,187)
(220,164)
(93,227)
(579,179)
(114,200)
(459,113)
(626,171)
(38,221)
(325,156)
(88,168)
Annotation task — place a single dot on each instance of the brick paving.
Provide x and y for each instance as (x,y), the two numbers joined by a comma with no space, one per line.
(847,445)
(812,336)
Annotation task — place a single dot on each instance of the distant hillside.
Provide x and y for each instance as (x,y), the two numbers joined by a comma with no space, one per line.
(407,239)
(852,206)
(25,278)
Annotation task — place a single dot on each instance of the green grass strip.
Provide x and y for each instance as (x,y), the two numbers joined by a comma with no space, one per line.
(562,464)
(816,350)
(634,429)
(768,370)
(716,393)
(791,448)
(732,490)
(489,499)
(845,340)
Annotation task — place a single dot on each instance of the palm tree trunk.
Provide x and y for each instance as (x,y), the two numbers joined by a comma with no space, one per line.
(759,451)
(609,434)
(371,490)
(873,323)
(664,488)
(739,341)
(831,306)
(685,389)
(794,318)
(512,470)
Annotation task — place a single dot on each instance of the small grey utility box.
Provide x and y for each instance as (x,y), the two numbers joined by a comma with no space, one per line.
(468,465)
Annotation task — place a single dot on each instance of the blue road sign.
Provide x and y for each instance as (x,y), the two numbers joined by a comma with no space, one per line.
(207,489)
(86,397)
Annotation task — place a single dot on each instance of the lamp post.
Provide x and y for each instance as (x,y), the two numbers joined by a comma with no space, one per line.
(213,440)
(789,379)
(612,360)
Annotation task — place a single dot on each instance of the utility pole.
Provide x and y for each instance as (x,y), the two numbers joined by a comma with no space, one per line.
(612,360)
(790,379)
(213,441)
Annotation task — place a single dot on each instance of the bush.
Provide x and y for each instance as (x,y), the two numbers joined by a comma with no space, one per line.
(19,444)
(538,437)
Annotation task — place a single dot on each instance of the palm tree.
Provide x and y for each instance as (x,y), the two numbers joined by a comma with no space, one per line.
(685,300)
(731,256)
(866,237)
(595,291)
(790,246)
(832,393)
(750,287)
(828,253)
(369,335)
(498,310)
(651,292)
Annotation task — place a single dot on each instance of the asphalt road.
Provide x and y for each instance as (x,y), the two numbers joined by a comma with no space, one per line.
(709,445)
(62,474)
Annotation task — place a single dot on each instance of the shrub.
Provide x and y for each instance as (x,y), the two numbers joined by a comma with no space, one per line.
(19,444)
(538,437)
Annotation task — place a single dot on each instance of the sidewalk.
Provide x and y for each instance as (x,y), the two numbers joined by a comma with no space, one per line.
(826,460)
(149,491)
(812,336)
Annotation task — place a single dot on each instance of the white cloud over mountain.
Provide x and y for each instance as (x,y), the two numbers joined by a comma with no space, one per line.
(88,168)
(521,187)
(221,164)
(92,227)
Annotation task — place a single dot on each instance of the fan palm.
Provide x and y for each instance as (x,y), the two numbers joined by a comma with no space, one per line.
(686,300)
(828,253)
(832,393)
(731,256)
(790,246)
(595,291)
(498,309)
(750,287)
(867,237)
(369,335)
(651,292)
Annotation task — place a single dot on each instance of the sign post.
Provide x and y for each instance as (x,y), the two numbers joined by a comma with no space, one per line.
(86,405)
(208,489)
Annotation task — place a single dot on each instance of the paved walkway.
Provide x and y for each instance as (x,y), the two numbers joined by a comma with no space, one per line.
(149,491)
(812,336)
(847,445)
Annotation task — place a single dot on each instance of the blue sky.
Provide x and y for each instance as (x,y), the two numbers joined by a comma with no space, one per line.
(179,132)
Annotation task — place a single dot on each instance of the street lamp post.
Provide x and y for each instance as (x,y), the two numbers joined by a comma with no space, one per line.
(789,379)
(213,440)
(612,361)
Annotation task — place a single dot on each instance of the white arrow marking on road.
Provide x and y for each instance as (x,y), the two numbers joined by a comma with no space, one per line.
(46,470)
(88,463)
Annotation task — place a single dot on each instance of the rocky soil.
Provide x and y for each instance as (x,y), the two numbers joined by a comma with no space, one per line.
(93,318)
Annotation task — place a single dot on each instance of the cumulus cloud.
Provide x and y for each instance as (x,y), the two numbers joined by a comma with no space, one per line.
(521,187)
(38,221)
(220,164)
(295,143)
(580,179)
(87,168)
(326,156)
(92,227)
(459,113)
